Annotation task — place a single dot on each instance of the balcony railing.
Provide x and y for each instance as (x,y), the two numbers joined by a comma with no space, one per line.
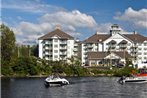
(122,45)
(48,42)
(63,53)
(62,48)
(89,46)
(63,42)
(75,49)
(48,48)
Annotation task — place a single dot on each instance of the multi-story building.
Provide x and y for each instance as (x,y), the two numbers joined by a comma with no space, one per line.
(57,45)
(99,49)
(113,47)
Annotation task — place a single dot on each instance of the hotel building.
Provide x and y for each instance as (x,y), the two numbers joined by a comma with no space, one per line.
(57,45)
(99,49)
(114,47)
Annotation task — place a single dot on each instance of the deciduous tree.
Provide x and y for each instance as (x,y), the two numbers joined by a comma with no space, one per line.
(7,44)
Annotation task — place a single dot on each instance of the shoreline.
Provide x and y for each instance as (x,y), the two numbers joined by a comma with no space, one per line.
(41,76)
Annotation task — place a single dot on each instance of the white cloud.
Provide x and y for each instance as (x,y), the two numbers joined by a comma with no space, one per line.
(71,19)
(104,28)
(137,18)
(69,22)
(32,6)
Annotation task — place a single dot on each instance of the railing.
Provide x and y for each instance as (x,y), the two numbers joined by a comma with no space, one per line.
(63,48)
(63,42)
(89,46)
(48,42)
(48,53)
(75,49)
(47,48)
(63,53)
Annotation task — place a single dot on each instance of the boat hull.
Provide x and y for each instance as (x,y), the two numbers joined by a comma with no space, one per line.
(135,81)
(132,80)
(57,83)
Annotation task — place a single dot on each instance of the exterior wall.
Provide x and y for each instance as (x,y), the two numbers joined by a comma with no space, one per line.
(40,49)
(77,50)
(93,62)
(141,49)
(83,53)
(100,47)
(118,38)
(56,48)
(70,48)
(142,52)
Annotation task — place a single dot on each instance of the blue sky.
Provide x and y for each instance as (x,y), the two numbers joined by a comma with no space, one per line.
(30,19)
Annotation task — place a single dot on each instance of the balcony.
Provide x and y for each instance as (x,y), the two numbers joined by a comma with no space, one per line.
(135,46)
(75,49)
(89,46)
(122,46)
(63,48)
(63,42)
(48,42)
(75,45)
(47,53)
(63,53)
(47,48)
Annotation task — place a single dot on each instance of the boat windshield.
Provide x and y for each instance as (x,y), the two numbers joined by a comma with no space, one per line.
(143,71)
(53,76)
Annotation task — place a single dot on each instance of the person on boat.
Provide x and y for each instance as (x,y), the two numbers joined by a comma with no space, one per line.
(133,73)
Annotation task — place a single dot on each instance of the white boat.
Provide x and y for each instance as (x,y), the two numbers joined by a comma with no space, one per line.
(55,81)
(133,80)
(136,78)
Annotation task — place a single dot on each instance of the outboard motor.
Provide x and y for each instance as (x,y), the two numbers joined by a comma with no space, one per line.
(121,80)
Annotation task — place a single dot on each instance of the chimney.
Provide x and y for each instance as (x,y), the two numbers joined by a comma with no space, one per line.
(97,32)
(135,32)
(58,27)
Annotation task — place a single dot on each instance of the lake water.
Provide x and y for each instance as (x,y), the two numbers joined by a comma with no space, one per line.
(80,87)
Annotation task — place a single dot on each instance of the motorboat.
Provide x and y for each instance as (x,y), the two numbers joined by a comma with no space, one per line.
(53,80)
(135,78)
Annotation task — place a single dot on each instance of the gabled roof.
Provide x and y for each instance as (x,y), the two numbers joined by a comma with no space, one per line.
(97,38)
(122,54)
(56,32)
(96,55)
(136,37)
(102,55)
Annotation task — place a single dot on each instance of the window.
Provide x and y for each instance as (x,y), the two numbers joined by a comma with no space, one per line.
(145,53)
(56,56)
(56,46)
(139,44)
(93,62)
(129,44)
(56,51)
(145,44)
(139,48)
(140,58)
(139,53)
(56,40)
(145,48)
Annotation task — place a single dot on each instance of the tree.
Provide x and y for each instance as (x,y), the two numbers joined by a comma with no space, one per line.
(7,44)
(34,50)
